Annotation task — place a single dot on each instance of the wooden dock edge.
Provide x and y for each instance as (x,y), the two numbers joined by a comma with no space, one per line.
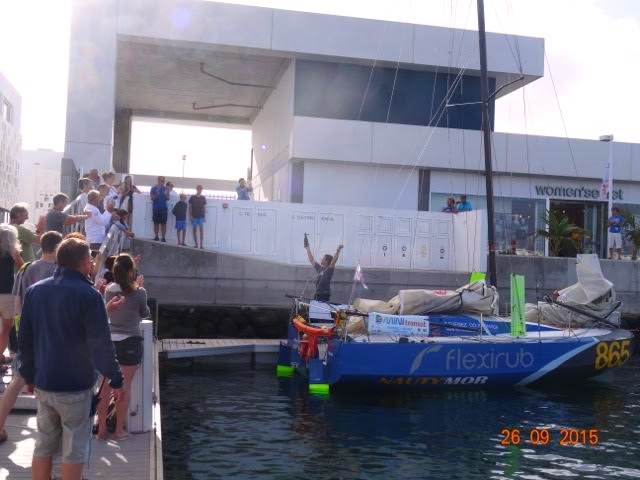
(156,467)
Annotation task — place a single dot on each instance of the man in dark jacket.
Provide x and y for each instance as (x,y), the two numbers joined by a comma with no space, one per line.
(64,341)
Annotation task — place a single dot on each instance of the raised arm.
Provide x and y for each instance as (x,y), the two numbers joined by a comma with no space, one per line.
(310,256)
(335,257)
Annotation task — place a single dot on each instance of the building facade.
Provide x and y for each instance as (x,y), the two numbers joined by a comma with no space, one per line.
(10,144)
(39,180)
(343,111)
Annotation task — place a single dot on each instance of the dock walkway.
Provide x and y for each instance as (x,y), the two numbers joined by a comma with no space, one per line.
(205,347)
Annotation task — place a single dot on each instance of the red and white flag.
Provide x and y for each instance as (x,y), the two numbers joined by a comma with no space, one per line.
(359,277)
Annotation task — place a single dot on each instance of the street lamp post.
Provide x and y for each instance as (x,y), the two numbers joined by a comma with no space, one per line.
(608,179)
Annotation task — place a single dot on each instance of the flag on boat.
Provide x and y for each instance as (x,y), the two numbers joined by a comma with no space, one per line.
(359,277)
(607,180)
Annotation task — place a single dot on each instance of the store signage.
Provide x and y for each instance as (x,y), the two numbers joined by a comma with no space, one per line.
(574,192)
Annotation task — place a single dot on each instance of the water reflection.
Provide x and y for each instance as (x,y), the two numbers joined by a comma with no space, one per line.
(220,423)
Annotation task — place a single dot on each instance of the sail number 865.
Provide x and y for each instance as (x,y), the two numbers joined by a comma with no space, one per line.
(612,354)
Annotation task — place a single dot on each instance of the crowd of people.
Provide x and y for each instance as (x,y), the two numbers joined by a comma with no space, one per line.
(65,325)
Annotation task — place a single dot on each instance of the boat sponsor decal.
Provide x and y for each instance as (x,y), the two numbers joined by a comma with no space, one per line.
(458,360)
(413,381)
(410,325)
(612,354)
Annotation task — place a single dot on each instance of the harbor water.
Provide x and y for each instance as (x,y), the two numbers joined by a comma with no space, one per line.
(234,422)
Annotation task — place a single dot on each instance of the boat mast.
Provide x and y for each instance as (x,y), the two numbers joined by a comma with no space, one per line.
(486,130)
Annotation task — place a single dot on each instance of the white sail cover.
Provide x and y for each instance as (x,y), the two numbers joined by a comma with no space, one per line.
(475,297)
(592,297)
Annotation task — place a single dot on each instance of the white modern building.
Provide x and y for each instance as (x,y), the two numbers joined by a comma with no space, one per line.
(10,144)
(343,111)
(39,180)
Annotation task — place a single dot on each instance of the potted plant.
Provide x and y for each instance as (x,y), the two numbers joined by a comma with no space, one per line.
(631,229)
(560,233)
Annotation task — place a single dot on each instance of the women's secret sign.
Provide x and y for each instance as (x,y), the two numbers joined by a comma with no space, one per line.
(574,192)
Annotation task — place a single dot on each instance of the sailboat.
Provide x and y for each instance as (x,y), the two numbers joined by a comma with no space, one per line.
(434,340)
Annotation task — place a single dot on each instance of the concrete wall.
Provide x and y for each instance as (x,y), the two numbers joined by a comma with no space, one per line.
(379,238)
(92,83)
(190,277)
(543,275)
(363,186)
(271,141)
(456,149)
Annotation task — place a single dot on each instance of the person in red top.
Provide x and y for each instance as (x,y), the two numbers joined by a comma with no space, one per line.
(197,206)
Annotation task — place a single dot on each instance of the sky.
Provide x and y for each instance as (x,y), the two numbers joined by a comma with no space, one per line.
(592,48)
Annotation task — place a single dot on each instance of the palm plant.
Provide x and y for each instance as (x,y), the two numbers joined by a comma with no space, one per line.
(631,229)
(560,233)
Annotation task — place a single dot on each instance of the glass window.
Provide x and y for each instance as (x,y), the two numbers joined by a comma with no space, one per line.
(382,94)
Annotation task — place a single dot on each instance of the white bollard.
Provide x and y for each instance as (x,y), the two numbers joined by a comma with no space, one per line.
(141,401)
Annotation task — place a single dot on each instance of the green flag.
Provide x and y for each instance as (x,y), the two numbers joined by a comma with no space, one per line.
(477,276)
(518,326)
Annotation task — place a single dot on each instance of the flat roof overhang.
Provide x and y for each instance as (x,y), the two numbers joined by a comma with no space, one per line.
(163,43)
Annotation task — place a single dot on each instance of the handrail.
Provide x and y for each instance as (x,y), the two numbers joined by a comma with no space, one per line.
(73,208)
(113,244)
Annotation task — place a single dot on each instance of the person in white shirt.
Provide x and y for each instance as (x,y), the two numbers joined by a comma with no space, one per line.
(96,228)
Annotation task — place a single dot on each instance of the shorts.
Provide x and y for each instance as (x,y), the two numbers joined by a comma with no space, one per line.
(7,306)
(197,221)
(614,240)
(64,423)
(181,224)
(160,217)
(129,350)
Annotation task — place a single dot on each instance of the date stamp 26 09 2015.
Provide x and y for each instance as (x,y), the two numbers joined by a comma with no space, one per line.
(567,437)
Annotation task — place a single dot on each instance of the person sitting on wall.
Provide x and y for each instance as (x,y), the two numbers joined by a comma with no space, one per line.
(451,206)
(324,270)
(464,205)
(616,222)
(244,189)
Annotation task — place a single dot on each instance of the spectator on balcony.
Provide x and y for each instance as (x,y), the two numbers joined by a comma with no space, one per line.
(64,328)
(127,189)
(18,215)
(197,210)
(464,205)
(180,212)
(56,219)
(160,195)
(244,189)
(95,178)
(85,185)
(109,179)
(96,225)
(29,274)
(451,206)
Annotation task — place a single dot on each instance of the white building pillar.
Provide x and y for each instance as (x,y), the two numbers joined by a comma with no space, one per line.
(92,83)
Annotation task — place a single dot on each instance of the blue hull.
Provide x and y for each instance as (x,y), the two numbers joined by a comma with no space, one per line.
(458,362)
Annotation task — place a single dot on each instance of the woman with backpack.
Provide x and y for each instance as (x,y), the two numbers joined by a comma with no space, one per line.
(126,336)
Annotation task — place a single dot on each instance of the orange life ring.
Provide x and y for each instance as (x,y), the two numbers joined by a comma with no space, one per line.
(310,334)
